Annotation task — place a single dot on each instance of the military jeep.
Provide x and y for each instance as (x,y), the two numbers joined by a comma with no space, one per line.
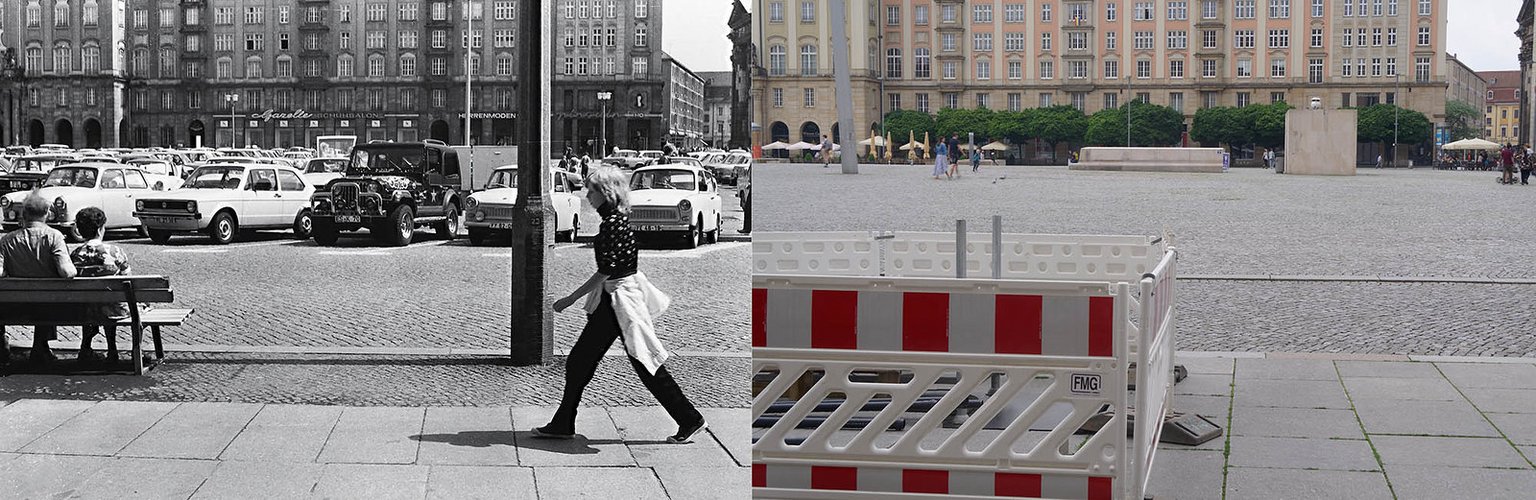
(391,189)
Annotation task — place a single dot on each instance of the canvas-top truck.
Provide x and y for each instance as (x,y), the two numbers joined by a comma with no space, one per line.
(479,162)
(330,146)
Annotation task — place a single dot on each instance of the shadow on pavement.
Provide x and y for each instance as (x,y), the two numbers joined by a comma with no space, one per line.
(579,445)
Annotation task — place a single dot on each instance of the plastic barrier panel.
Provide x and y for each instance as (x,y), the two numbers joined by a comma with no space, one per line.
(868,385)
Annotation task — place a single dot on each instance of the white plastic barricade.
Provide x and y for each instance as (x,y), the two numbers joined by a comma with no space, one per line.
(879,374)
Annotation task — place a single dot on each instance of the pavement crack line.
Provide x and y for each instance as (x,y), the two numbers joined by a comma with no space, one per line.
(1529,460)
(1363,432)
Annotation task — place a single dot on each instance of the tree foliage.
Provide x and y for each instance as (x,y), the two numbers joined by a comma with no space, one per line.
(962,122)
(1057,124)
(1151,125)
(1462,119)
(1267,122)
(1010,126)
(900,122)
(1376,125)
(1258,124)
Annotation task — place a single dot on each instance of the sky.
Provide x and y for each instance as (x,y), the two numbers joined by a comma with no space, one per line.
(694,32)
(1481,33)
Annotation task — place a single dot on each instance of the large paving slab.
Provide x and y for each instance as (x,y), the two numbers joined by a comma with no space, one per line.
(1493,400)
(1204,384)
(1302,453)
(645,430)
(1520,428)
(374,435)
(48,476)
(1413,482)
(1437,418)
(147,478)
(732,428)
(1285,369)
(724,483)
(460,482)
(598,482)
(284,433)
(1290,393)
(1295,422)
(1296,484)
(1425,389)
(1186,474)
(468,436)
(1490,375)
(1393,369)
(193,430)
(1214,407)
(1208,365)
(103,429)
(597,441)
(28,419)
(373,481)
(260,480)
(1448,452)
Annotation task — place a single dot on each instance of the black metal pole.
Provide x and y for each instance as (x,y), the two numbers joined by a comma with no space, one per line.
(532,328)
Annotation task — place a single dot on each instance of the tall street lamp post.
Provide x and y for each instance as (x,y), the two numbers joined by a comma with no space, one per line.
(602,141)
(234,127)
(1397,110)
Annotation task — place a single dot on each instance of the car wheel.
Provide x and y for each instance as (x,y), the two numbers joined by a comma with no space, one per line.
(324,233)
(449,228)
(159,236)
(695,235)
(476,237)
(223,228)
(714,236)
(401,227)
(303,225)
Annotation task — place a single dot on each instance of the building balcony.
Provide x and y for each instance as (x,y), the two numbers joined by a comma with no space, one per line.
(314,27)
(194,54)
(1077,23)
(194,28)
(194,2)
(304,2)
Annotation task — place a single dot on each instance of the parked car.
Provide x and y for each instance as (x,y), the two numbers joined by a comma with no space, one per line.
(488,213)
(675,199)
(391,189)
(319,171)
(725,165)
(223,199)
(111,187)
(161,174)
(627,159)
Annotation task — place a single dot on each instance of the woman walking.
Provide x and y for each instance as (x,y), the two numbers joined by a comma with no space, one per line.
(940,157)
(621,303)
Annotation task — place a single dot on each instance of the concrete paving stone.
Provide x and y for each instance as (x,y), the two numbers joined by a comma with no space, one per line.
(1295,422)
(1393,369)
(1421,389)
(1285,369)
(1217,366)
(462,482)
(193,430)
(597,442)
(1415,482)
(372,481)
(599,482)
(1529,452)
(28,419)
(1520,428)
(645,430)
(48,476)
(284,433)
(103,429)
(1290,393)
(1491,400)
(1433,418)
(1186,474)
(260,480)
(147,478)
(1204,384)
(1245,482)
(732,428)
(1490,375)
(374,435)
(687,482)
(1214,407)
(468,436)
(1448,452)
(1302,453)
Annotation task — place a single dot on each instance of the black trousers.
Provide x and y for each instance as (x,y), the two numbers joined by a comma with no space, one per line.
(1525,176)
(602,328)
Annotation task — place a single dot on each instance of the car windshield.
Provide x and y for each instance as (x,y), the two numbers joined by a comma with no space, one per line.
(71,176)
(326,166)
(503,178)
(39,164)
(216,178)
(377,159)
(154,167)
(663,179)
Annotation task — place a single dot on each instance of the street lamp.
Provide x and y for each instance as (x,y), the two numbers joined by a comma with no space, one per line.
(234,126)
(1397,110)
(603,97)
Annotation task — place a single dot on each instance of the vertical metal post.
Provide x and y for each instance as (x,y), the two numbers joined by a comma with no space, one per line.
(844,78)
(532,328)
(469,56)
(997,247)
(960,248)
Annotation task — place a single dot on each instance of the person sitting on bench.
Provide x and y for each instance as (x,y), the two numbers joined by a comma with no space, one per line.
(36,251)
(96,258)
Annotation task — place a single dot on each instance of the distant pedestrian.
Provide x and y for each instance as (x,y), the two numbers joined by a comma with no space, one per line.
(826,151)
(1269,158)
(621,303)
(940,160)
(1378,161)
(954,148)
(1527,164)
(1507,160)
(975,160)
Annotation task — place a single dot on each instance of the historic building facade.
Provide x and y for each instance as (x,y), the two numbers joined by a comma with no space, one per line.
(1501,106)
(1465,85)
(66,73)
(608,77)
(1012,54)
(685,105)
(718,86)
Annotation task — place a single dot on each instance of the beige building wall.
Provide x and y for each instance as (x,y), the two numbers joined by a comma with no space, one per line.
(794,98)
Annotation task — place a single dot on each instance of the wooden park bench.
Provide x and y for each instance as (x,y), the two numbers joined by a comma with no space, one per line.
(133,290)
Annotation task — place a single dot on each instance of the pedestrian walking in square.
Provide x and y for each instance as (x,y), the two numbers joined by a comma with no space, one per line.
(975,160)
(940,160)
(826,151)
(621,303)
(1507,160)
(1526,162)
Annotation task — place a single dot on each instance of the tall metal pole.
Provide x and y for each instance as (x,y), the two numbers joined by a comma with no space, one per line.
(532,330)
(1397,110)
(844,78)
(469,56)
(1128,100)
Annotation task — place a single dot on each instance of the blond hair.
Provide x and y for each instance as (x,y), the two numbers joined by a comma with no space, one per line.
(613,184)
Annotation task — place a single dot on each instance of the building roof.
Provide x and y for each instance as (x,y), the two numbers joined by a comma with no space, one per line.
(1501,79)
(716,78)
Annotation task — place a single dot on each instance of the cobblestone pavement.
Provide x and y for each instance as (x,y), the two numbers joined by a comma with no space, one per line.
(1400,223)
(271,290)
(387,381)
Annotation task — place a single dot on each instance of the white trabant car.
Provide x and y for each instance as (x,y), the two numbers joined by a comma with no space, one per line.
(488,213)
(675,199)
(111,187)
(627,159)
(222,199)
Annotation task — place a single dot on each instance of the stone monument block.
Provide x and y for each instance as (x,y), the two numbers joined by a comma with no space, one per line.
(1320,141)
(1195,160)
